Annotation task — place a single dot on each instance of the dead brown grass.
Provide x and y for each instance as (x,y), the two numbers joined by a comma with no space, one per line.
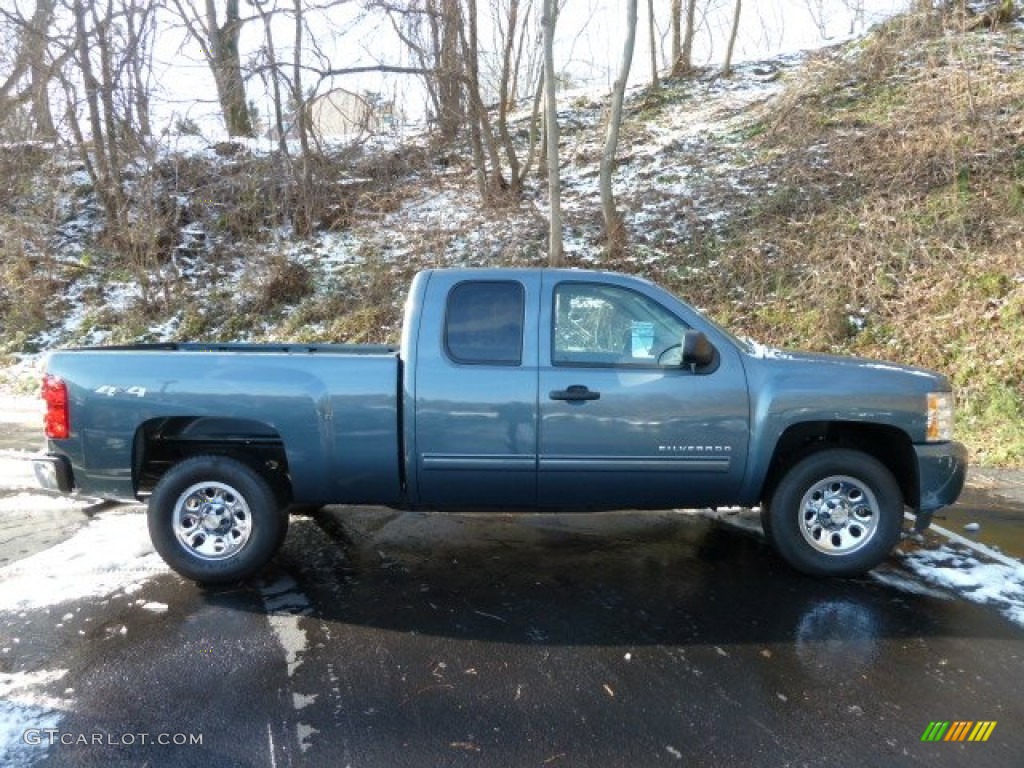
(900,227)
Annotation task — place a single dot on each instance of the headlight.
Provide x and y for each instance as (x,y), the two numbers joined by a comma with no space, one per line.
(940,417)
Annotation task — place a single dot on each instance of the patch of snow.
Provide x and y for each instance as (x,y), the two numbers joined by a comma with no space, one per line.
(998,584)
(764,352)
(24,710)
(286,605)
(21,409)
(112,553)
(306,734)
(35,502)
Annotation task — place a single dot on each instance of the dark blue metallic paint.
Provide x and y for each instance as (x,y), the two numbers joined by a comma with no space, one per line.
(418,428)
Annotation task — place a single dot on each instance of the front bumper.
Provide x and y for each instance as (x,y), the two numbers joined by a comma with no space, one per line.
(941,472)
(53,473)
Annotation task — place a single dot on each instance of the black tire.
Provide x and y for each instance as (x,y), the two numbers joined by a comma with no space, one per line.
(215,520)
(837,512)
(766,524)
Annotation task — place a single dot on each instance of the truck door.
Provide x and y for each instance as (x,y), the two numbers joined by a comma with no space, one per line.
(476,392)
(622,423)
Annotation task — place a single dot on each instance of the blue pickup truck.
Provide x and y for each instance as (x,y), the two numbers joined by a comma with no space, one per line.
(533,390)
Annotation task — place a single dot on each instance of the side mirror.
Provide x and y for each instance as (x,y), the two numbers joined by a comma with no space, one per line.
(697,350)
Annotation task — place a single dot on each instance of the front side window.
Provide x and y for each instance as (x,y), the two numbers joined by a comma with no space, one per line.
(484,323)
(606,325)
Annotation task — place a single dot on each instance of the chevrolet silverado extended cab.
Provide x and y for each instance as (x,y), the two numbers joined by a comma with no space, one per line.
(533,390)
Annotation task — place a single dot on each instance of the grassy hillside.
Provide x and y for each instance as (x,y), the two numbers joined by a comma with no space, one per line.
(868,200)
(895,223)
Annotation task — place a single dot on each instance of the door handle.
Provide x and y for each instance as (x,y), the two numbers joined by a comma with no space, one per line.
(574,393)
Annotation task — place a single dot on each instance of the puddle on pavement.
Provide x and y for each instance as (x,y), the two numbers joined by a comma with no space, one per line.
(994,500)
(30,523)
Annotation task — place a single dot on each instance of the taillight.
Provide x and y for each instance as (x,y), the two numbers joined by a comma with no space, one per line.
(55,395)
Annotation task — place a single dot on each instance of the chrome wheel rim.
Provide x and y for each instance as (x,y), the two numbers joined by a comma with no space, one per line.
(212,521)
(838,515)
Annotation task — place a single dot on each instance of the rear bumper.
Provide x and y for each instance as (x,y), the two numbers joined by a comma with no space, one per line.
(941,470)
(53,473)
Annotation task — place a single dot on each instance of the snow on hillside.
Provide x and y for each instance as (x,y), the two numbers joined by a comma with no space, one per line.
(680,157)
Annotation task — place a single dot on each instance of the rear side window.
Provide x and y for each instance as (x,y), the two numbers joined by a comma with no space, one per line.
(484,323)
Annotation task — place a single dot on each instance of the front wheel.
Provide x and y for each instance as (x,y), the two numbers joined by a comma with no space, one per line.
(837,512)
(214,520)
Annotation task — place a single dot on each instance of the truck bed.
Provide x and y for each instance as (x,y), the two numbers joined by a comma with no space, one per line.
(333,410)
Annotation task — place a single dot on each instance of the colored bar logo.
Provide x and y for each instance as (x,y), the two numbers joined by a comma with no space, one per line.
(958,730)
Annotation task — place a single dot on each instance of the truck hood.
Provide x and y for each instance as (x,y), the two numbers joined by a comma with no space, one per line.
(917,378)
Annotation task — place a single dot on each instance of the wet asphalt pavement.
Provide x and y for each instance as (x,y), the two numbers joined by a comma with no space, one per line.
(387,639)
(380,638)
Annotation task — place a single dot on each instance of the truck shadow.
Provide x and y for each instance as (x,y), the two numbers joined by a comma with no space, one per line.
(621,578)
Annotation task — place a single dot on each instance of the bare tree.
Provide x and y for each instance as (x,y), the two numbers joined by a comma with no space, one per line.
(430,29)
(108,37)
(485,146)
(511,20)
(305,215)
(857,16)
(506,87)
(459,85)
(104,169)
(31,70)
(271,76)
(140,29)
(683,30)
(548,23)
(653,40)
(816,9)
(219,41)
(727,67)
(615,233)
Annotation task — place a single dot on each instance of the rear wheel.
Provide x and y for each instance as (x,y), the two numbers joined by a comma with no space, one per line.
(837,512)
(215,520)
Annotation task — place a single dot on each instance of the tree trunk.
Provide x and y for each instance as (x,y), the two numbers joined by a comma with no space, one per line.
(676,12)
(615,232)
(275,83)
(551,122)
(140,62)
(306,213)
(39,72)
(30,59)
(652,33)
(536,127)
(688,33)
(682,36)
(505,97)
(727,68)
(105,88)
(494,182)
(220,46)
(449,70)
(102,179)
